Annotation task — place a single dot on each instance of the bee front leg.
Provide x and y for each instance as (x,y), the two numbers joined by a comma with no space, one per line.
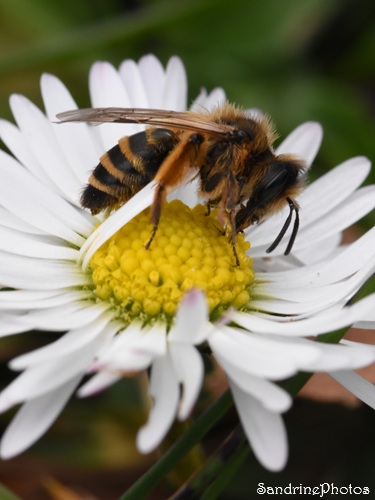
(228,205)
(230,223)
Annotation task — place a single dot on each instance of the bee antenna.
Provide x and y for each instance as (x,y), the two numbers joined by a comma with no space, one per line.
(295,227)
(292,208)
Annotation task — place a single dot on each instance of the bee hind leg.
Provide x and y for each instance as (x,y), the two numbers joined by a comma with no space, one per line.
(159,197)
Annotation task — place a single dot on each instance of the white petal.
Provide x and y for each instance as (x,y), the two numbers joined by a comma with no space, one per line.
(350,260)
(207,102)
(132,79)
(342,265)
(37,274)
(116,221)
(334,318)
(272,397)
(11,221)
(39,299)
(191,319)
(357,385)
(366,325)
(306,300)
(98,383)
(60,318)
(359,205)
(39,206)
(48,376)
(133,349)
(37,131)
(187,193)
(106,90)
(68,343)
(320,251)
(76,141)
(11,324)
(30,245)
(125,362)
(165,391)
(302,309)
(214,99)
(188,365)
(296,350)
(175,86)
(258,356)
(304,142)
(151,340)
(120,356)
(264,429)
(24,295)
(153,77)
(333,188)
(255,114)
(34,418)
(341,357)
(16,143)
(198,103)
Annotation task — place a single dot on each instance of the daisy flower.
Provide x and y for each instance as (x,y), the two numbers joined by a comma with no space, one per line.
(126,309)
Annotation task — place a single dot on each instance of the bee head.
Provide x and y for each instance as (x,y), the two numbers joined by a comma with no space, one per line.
(281,180)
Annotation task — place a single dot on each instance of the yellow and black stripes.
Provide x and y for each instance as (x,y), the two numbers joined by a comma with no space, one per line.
(126,168)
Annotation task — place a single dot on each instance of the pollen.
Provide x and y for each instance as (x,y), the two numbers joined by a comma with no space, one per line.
(189,250)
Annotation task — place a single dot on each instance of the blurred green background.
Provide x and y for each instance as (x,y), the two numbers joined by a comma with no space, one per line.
(297,60)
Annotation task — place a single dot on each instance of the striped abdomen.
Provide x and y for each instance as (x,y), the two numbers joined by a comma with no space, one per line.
(127,168)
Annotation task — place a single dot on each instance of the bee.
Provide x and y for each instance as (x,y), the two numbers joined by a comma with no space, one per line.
(227,149)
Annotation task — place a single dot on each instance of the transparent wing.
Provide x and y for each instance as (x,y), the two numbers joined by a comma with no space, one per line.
(187,120)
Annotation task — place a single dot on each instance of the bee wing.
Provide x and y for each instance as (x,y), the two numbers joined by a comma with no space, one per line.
(187,120)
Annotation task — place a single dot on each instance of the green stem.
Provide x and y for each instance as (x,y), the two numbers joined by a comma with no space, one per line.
(191,437)
(226,473)
(217,471)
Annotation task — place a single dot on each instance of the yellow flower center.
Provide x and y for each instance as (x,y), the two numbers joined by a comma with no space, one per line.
(189,250)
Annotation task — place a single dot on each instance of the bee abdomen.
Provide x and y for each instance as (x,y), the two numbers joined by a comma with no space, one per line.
(96,200)
(126,168)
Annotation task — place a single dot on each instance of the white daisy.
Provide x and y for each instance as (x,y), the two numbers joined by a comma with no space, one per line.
(127,309)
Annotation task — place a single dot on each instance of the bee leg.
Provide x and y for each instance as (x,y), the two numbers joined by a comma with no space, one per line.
(171,173)
(231,229)
(159,197)
(228,204)
(235,255)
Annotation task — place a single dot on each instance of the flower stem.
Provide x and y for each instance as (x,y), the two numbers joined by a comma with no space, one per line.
(191,437)
(228,471)
(214,475)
